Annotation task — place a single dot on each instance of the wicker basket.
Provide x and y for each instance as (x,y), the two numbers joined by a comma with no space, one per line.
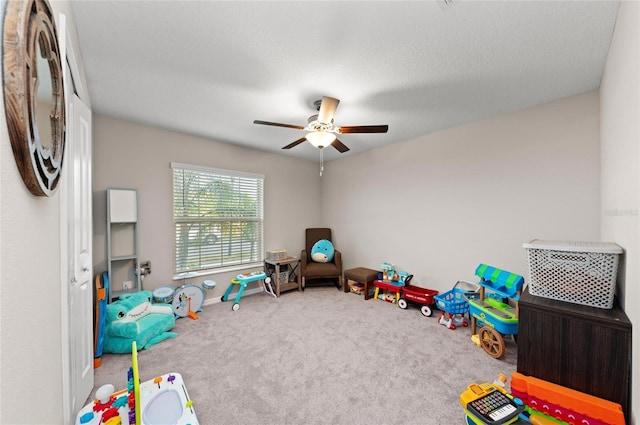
(576,272)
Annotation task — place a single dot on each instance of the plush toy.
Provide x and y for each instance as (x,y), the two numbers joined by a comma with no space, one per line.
(134,318)
(322,251)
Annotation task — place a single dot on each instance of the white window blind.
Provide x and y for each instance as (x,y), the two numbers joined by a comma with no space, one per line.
(218,217)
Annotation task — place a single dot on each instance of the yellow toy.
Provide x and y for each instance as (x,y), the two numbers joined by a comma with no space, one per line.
(490,404)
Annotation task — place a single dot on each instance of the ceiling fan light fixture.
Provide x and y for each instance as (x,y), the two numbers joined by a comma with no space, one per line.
(321,139)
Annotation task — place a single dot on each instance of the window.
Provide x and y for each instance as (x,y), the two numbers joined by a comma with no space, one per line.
(218,218)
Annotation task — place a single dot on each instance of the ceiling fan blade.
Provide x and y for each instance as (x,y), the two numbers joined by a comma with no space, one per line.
(277,124)
(327,109)
(363,129)
(296,143)
(340,147)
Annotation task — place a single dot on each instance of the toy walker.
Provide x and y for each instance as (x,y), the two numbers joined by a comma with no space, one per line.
(454,304)
(243,280)
(495,313)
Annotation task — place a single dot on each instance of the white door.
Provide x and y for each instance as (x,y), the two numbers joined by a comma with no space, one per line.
(76,242)
(80,235)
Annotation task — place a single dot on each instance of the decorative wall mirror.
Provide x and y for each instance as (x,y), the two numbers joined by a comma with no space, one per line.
(34,93)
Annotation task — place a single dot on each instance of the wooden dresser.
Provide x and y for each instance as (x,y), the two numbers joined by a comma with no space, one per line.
(584,348)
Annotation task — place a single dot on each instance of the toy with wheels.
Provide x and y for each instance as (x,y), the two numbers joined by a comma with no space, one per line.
(497,316)
(454,304)
(417,295)
(243,280)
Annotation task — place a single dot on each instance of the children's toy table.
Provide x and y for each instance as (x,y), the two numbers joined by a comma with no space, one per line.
(394,287)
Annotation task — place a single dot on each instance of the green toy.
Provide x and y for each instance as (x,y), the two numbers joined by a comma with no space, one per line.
(134,318)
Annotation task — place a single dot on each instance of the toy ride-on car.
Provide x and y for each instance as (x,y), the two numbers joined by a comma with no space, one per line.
(417,295)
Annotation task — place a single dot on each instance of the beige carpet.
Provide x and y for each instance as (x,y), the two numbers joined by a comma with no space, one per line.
(317,357)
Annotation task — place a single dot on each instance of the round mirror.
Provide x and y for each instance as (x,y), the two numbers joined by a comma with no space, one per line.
(34,93)
(44,103)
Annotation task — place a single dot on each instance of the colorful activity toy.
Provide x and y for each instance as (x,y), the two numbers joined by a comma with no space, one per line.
(391,282)
(535,401)
(392,290)
(490,404)
(496,316)
(555,403)
(388,271)
(242,280)
(162,400)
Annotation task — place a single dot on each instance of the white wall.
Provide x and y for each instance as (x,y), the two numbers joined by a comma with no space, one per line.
(29,298)
(30,282)
(439,205)
(138,156)
(620,140)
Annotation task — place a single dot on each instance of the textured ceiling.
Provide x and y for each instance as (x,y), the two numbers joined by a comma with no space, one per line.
(210,68)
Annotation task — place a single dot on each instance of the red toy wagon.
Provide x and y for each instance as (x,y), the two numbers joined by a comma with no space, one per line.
(417,295)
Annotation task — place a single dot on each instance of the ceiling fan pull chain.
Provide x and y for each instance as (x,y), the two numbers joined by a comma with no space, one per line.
(321,161)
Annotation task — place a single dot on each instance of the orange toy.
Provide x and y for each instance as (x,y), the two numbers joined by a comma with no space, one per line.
(565,404)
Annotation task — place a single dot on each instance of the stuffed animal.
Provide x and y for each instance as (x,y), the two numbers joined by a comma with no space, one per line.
(322,251)
(134,318)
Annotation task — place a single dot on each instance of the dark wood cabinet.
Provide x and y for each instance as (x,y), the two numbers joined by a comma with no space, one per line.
(584,348)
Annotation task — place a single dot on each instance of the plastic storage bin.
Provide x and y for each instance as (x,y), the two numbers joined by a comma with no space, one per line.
(576,272)
(276,255)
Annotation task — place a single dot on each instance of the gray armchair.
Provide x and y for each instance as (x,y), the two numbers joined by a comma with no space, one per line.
(309,269)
